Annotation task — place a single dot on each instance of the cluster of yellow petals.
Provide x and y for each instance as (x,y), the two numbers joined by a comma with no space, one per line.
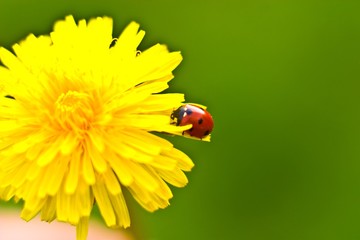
(79,126)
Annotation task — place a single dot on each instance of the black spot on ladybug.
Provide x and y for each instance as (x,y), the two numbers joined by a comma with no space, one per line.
(200,121)
(206,133)
(11,97)
(113,43)
(188,111)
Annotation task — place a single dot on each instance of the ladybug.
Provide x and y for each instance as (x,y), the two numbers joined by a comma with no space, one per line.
(201,120)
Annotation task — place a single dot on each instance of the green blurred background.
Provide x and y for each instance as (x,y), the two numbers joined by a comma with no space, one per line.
(281,79)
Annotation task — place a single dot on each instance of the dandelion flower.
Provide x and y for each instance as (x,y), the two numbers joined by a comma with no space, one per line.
(76,127)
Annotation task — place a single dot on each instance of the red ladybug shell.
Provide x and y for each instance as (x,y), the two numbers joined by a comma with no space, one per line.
(201,120)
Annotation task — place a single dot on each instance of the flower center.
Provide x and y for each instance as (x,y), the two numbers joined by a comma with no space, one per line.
(73,110)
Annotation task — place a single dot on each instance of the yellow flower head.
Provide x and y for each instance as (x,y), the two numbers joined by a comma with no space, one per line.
(75,127)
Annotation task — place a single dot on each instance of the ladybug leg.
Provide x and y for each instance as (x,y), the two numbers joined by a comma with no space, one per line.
(190,130)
